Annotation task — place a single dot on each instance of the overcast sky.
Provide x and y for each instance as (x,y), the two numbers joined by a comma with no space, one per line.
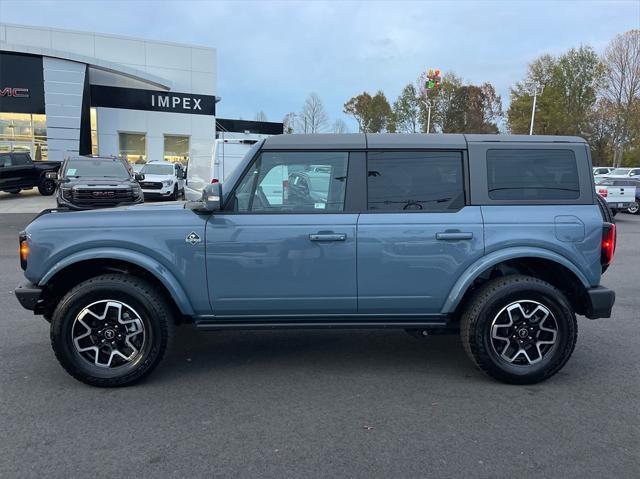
(272,54)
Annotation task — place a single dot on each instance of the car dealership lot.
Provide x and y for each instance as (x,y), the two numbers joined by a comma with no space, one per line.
(323,403)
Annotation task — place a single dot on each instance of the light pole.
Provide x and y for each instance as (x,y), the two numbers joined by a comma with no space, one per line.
(537,88)
(428,105)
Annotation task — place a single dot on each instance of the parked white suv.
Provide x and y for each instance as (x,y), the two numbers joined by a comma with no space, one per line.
(163,179)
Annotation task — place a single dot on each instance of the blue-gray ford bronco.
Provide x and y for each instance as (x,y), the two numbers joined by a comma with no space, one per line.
(500,238)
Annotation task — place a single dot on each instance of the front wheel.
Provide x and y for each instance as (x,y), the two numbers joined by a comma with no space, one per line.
(519,329)
(47,187)
(174,195)
(111,330)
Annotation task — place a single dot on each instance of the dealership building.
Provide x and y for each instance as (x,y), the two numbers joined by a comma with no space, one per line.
(66,92)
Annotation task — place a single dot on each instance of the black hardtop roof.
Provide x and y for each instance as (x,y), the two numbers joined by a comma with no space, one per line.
(357,141)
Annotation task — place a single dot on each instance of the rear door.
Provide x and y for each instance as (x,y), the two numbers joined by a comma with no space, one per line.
(11,174)
(418,234)
(24,170)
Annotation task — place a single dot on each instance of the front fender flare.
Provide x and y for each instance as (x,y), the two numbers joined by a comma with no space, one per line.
(149,264)
(472,272)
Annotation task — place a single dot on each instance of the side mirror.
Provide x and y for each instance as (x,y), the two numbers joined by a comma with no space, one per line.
(139,176)
(210,202)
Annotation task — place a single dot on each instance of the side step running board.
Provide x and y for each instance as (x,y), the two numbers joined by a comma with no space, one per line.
(224,324)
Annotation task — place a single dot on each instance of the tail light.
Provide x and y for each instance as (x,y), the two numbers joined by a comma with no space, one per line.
(214,181)
(608,247)
(603,192)
(24,250)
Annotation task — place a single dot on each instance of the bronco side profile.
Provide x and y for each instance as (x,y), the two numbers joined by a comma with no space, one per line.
(500,238)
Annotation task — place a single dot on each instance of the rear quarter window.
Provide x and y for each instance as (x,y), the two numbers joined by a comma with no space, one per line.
(528,174)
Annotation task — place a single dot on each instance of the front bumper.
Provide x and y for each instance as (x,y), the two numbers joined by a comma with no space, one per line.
(601,302)
(165,192)
(29,295)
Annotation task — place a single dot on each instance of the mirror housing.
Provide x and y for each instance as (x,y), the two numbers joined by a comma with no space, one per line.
(210,202)
(138,176)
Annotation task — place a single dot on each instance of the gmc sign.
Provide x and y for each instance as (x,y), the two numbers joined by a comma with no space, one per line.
(15,92)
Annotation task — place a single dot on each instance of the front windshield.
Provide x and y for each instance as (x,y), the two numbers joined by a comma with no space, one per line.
(96,168)
(620,171)
(150,169)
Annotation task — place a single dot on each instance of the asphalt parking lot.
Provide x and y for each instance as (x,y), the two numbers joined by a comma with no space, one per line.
(324,403)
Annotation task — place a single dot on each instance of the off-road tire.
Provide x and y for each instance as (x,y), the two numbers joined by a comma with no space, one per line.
(47,187)
(154,312)
(489,300)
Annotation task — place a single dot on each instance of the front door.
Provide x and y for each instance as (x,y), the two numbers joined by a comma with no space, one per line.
(284,245)
(417,236)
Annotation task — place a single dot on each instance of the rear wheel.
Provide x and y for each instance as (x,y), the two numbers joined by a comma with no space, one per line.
(47,187)
(519,329)
(633,209)
(111,330)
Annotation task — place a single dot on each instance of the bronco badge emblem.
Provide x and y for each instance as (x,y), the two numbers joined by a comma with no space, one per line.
(193,238)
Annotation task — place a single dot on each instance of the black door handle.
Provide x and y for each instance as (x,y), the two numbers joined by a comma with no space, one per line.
(328,237)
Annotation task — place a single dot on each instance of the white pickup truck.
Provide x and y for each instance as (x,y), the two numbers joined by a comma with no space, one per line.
(618,197)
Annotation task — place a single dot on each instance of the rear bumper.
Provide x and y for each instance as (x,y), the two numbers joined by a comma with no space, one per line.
(601,302)
(29,295)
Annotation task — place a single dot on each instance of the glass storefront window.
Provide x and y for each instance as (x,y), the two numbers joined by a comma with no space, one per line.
(94,131)
(133,147)
(24,132)
(176,148)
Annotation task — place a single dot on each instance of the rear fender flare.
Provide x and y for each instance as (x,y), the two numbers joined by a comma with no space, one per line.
(476,269)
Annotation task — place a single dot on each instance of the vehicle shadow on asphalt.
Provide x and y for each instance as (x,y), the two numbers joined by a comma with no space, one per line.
(343,351)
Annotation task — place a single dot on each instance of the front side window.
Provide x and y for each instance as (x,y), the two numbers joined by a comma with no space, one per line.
(294,182)
(415,181)
(532,175)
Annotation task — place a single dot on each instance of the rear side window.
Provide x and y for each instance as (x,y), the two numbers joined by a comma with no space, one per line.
(19,159)
(415,181)
(521,175)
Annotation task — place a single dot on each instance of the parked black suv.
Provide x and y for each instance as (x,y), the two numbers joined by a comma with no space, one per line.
(19,172)
(97,182)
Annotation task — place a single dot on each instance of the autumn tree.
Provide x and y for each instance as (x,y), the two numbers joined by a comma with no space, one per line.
(406,110)
(569,87)
(373,113)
